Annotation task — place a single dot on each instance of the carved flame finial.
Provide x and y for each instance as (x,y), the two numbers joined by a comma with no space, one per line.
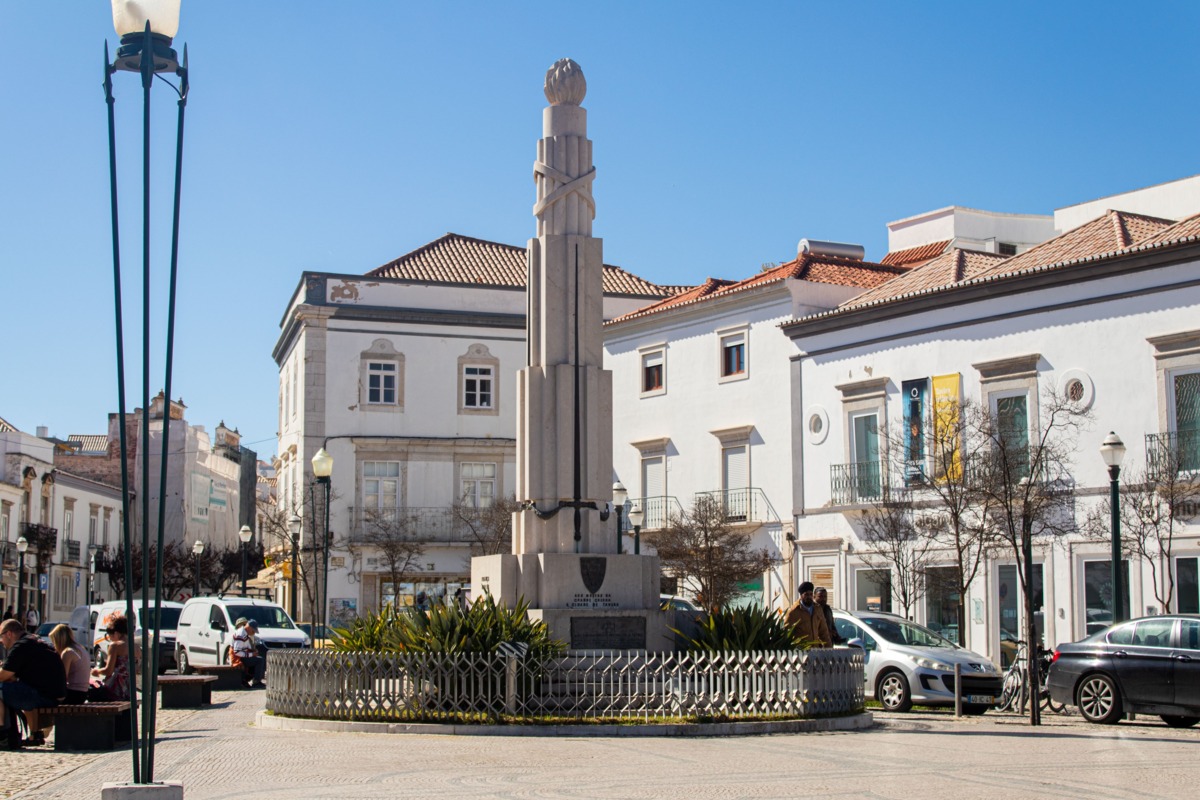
(565,84)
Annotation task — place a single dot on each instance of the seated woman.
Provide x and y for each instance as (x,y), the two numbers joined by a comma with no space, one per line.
(75,663)
(112,683)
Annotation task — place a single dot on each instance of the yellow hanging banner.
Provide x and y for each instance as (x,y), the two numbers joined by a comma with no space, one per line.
(947,407)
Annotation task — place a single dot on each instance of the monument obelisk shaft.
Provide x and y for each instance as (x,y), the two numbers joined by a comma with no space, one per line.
(564,427)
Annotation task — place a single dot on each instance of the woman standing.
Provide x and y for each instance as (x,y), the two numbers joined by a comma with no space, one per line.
(75,663)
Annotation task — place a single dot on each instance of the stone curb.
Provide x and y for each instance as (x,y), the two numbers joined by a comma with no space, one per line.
(855,722)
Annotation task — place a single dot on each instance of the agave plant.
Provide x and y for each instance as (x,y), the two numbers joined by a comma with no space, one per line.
(738,629)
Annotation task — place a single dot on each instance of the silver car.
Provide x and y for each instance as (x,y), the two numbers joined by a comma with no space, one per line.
(907,663)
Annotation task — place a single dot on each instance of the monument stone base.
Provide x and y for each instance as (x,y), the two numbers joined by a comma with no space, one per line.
(597,601)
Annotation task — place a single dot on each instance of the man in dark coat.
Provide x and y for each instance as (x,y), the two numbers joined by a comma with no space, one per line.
(806,619)
(32,676)
(821,598)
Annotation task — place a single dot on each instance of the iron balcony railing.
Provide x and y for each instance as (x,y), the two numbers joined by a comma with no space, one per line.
(658,511)
(442,687)
(860,482)
(1172,453)
(744,505)
(41,538)
(422,524)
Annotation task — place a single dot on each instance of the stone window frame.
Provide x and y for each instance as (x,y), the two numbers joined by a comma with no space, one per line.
(1174,354)
(478,355)
(104,529)
(93,523)
(381,351)
(731,334)
(463,458)
(1011,377)
(648,353)
(859,398)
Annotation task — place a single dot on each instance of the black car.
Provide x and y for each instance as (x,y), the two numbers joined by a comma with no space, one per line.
(1145,666)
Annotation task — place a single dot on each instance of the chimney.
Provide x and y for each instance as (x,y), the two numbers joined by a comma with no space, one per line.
(42,432)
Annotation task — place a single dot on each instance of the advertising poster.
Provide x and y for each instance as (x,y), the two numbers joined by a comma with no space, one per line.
(947,394)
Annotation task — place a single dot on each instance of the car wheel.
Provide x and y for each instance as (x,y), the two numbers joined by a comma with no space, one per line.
(974,710)
(893,693)
(1179,722)
(1098,700)
(181,659)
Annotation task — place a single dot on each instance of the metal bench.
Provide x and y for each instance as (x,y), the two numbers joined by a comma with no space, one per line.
(228,676)
(186,691)
(89,726)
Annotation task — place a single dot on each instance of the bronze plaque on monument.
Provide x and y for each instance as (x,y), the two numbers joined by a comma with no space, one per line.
(608,633)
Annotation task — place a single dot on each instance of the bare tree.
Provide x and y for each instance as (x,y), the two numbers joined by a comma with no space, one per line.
(279,544)
(702,547)
(394,533)
(488,528)
(1155,502)
(897,553)
(1022,474)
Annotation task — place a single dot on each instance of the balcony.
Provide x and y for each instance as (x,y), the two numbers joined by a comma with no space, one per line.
(41,538)
(857,483)
(1172,453)
(422,524)
(744,505)
(658,510)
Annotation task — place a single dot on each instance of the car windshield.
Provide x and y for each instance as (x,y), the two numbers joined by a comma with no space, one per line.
(169,620)
(899,631)
(263,616)
(45,628)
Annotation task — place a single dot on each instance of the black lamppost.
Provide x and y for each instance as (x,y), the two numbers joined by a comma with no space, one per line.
(294,525)
(22,546)
(245,534)
(92,575)
(636,515)
(1113,452)
(146,29)
(197,550)
(322,464)
(620,497)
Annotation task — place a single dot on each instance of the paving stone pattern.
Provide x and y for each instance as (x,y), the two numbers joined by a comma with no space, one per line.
(218,753)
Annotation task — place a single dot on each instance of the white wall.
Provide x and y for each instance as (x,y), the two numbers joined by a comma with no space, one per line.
(1174,200)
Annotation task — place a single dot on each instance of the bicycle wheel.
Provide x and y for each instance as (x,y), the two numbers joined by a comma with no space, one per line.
(1010,693)
(1048,703)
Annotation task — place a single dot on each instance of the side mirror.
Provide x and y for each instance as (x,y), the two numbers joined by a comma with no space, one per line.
(856,642)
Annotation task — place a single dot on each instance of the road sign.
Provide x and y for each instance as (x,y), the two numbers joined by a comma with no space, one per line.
(77,579)
(43,581)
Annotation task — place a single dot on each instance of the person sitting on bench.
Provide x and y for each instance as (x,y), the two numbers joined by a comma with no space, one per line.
(245,655)
(32,677)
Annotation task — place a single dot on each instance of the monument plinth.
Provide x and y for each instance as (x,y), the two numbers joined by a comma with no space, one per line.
(564,561)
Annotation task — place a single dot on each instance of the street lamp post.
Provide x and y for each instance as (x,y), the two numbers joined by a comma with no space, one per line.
(322,464)
(22,546)
(245,534)
(198,550)
(92,577)
(294,525)
(1113,452)
(620,497)
(636,515)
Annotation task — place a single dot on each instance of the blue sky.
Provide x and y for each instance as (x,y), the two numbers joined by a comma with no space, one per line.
(338,136)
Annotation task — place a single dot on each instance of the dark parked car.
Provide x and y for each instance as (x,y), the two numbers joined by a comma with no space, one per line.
(1146,666)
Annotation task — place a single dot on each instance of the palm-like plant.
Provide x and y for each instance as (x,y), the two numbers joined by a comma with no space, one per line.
(740,629)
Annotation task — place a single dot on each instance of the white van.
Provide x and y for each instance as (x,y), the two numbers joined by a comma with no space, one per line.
(105,611)
(83,626)
(206,625)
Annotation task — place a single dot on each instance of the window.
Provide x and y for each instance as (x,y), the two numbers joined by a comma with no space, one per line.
(1185,418)
(941,601)
(1006,249)
(381,378)
(654,372)
(1011,413)
(5,512)
(478,488)
(104,530)
(381,485)
(873,590)
(1009,388)
(1097,594)
(1187,586)
(860,477)
(64,590)
(733,356)
(93,524)
(478,382)
(68,530)
(864,447)
(1153,633)
(477,387)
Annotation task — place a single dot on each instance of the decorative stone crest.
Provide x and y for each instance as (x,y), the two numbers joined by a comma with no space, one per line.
(565,84)
(592,569)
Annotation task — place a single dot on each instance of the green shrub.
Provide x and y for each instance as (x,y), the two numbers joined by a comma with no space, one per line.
(737,629)
(448,629)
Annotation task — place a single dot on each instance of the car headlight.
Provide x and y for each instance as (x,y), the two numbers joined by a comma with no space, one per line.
(929,663)
(307,642)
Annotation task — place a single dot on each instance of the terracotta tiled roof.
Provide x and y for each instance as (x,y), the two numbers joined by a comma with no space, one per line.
(914,256)
(89,443)
(461,259)
(953,266)
(1188,229)
(5,427)
(808,267)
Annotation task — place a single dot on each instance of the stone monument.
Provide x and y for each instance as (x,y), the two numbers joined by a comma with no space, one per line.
(564,561)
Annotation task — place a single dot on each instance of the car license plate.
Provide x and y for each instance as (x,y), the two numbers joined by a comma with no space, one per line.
(981,699)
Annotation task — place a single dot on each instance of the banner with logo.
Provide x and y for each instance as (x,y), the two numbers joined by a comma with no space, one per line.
(947,407)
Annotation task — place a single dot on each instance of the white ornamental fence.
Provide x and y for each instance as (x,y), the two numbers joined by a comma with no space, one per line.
(423,687)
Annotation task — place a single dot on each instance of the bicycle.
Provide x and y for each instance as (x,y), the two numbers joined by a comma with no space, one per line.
(1014,692)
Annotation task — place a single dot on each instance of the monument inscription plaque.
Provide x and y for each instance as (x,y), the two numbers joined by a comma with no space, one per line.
(608,633)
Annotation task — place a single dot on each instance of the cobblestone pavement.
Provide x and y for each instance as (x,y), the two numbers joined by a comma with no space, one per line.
(219,755)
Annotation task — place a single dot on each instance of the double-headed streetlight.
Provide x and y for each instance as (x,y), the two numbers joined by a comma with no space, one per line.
(22,546)
(1113,452)
(294,526)
(245,534)
(322,464)
(620,497)
(636,515)
(197,550)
